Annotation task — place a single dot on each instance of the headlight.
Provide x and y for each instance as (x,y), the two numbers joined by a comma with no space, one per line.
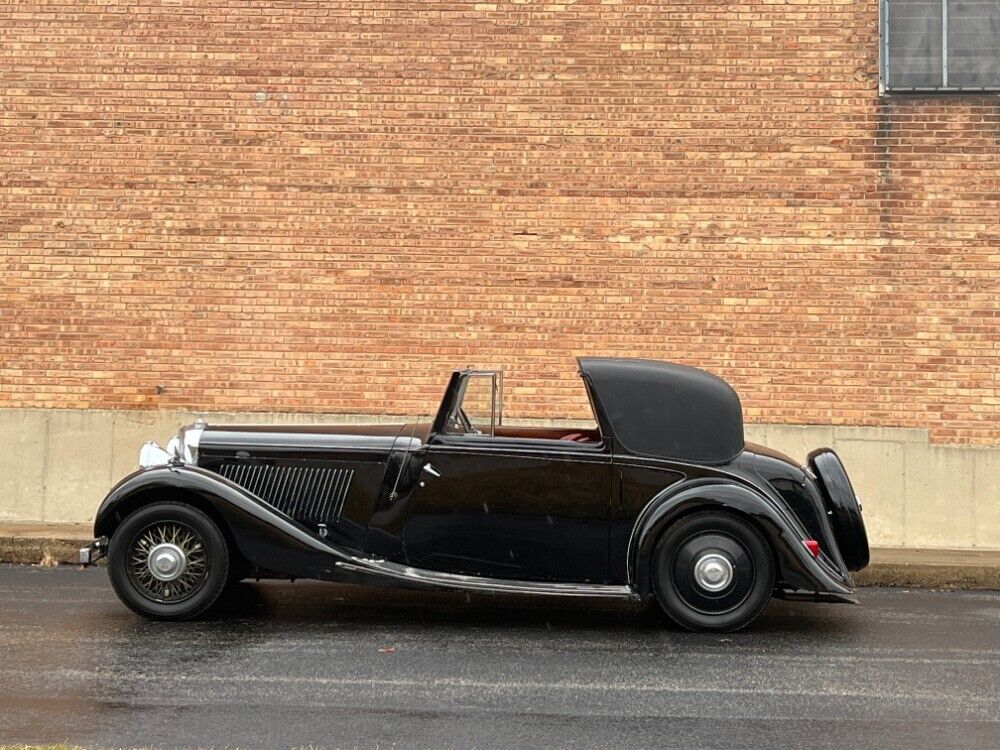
(182,448)
(151,455)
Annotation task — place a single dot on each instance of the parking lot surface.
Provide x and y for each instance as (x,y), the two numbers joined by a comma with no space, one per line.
(300,664)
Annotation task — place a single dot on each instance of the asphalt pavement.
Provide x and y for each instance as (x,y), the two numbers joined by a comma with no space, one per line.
(308,664)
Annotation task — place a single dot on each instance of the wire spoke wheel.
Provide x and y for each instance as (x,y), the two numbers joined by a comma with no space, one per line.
(168,562)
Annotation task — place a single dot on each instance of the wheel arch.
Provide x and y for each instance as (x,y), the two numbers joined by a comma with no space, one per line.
(108,523)
(259,534)
(784,536)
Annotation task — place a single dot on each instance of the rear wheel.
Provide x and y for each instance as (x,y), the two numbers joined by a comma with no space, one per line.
(168,561)
(712,571)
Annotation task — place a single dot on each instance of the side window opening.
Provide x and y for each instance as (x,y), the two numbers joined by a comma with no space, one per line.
(478,411)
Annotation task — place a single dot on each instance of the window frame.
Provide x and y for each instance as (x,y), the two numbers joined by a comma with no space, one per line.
(884,87)
(496,409)
(454,399)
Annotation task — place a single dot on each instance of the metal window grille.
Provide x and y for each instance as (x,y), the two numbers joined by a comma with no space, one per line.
(940,45)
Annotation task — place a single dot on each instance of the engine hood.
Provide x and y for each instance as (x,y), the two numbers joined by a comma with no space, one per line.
(225,439)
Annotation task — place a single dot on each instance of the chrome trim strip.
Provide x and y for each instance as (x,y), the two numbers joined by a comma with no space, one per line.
(480,583)
(598,453)
(219,439)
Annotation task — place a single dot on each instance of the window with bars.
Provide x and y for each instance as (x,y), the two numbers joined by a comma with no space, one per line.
(940,45)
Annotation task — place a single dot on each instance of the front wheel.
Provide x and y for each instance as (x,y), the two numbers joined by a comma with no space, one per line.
(712,571)
(168,561)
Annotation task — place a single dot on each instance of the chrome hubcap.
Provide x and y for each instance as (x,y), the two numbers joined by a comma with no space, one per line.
(168,562)
(713,572)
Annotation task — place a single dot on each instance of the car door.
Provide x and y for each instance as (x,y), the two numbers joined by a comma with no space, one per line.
(515,508)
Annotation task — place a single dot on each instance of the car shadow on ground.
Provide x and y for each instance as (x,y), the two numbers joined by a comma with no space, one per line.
(311,602)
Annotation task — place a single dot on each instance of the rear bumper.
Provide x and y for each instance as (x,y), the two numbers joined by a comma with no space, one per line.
(94,551)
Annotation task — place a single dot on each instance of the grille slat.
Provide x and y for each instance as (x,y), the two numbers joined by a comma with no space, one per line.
(292,492)
(306,493)
(321,483)
(299,492)
(267,479)
(329,484)
(256,479)
(339,500)
(281,491)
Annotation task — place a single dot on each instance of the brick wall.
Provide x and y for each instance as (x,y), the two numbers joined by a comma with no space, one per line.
(296,205)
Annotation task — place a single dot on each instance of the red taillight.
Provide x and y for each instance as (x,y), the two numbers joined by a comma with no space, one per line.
(813,546)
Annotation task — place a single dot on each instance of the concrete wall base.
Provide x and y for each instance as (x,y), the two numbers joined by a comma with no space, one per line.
(57,464)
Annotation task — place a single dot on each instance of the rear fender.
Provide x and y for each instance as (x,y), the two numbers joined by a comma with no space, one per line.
(784,533)
(263,535)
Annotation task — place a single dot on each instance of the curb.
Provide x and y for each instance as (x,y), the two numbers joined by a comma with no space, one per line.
(47,553)
(926,576)
(894,568)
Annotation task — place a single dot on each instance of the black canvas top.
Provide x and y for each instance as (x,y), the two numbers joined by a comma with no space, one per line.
(665,410)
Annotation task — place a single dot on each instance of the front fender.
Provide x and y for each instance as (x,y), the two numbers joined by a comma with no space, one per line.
(263,535)
(782,530)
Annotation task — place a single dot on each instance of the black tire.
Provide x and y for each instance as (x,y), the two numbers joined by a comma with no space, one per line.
(204,574)
(714,540)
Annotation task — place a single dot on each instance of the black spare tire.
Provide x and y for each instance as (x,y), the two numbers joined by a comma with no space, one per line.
(842,507)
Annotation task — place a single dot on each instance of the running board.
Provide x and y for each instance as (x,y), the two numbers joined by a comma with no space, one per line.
(435,579)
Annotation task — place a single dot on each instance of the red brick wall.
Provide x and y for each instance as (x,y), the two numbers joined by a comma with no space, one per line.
(295,205)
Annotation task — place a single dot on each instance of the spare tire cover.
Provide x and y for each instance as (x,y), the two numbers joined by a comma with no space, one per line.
(843,507)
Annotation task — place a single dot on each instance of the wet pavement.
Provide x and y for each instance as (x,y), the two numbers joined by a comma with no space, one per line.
(309,664)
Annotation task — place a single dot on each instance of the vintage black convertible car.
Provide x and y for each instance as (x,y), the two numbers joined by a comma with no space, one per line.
(664,498)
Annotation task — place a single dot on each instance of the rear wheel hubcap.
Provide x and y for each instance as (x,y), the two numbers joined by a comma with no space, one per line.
(713,572)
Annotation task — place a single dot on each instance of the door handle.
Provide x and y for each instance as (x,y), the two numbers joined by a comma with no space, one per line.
(431,470)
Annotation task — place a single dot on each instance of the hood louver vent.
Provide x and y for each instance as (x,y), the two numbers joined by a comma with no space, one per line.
(307,494)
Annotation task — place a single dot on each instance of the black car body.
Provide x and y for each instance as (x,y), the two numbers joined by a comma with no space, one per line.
(663,498)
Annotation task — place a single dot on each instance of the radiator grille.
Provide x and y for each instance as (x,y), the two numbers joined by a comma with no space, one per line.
(312,494)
